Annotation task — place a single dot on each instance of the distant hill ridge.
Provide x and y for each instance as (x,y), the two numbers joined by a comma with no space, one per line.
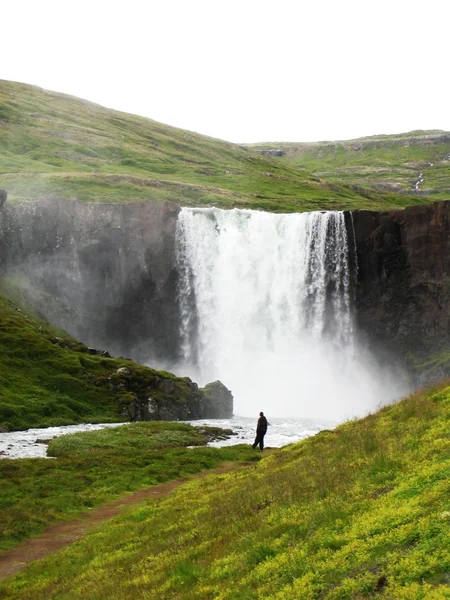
(415,163)
(57,145)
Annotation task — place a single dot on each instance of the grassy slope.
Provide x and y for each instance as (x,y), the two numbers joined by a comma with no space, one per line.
(57,145)
(379,162)
(351,513)
(48,380)
(96,467)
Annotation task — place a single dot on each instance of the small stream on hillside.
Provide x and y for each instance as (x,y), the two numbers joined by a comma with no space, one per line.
(24,444)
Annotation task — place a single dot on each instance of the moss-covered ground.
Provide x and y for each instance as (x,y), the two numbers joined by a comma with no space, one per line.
(359,512)
(57,145)
(48,379)
(95,467)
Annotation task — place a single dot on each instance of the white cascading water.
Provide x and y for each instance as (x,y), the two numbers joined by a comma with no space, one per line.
(266,308)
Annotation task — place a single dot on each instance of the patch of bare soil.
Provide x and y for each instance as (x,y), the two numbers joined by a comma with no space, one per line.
(62,534)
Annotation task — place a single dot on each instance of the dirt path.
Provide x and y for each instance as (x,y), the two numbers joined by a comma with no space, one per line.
(62,534)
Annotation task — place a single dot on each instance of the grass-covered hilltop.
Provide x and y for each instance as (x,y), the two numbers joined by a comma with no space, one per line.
(359,512)
(56,145)
(416,163)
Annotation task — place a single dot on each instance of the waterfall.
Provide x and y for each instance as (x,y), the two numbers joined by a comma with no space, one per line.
(265,305)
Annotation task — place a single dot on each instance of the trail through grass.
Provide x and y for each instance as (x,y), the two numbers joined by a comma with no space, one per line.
(60,535)
(357,512)
(95,467)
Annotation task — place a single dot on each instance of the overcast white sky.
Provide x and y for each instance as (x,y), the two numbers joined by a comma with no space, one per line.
(242,70)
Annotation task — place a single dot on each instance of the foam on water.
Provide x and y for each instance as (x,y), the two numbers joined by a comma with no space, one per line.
(23,444)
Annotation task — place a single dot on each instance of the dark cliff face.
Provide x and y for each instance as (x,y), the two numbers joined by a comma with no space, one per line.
(104,272)
(402,296)
(107,274)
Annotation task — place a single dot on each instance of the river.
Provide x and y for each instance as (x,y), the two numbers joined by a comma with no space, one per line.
(23,444)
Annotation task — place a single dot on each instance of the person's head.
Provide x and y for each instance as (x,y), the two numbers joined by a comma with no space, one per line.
(261,414)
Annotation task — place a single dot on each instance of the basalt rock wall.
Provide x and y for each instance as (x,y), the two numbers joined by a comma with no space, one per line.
(107,274)
(402,294)
(104,272)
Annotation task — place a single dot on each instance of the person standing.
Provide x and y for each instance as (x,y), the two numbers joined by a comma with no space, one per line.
(261,429)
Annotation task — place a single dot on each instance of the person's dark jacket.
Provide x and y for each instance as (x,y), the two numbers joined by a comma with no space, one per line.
(261,427)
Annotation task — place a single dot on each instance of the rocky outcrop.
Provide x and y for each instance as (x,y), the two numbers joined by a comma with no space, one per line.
(402,295)
(217,401)
(156,398)
(148,395)
(271,152)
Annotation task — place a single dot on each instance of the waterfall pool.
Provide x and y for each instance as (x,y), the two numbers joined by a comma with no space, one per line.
(266,307)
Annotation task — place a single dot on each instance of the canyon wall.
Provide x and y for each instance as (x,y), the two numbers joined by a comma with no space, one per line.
(103,272)
(107,274)
(402,295)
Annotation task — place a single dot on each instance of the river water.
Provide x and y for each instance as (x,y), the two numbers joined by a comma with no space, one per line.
(23,444)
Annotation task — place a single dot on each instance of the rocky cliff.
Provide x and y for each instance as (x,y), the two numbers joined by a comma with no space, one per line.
(402,295)
(104,272)
(107,273)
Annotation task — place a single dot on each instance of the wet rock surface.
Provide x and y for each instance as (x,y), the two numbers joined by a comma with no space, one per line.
(107,273)
(217,401)
(104,272)
(402,294)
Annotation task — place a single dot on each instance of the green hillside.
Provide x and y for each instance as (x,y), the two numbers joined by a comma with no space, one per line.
(47,379)
(57,145)
(92,470)
(384,162)
(359,512)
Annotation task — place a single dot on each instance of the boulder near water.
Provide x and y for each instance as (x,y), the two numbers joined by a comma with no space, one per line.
(218,401)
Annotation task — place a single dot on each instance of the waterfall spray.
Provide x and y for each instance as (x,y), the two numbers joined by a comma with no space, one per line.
(265,307)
